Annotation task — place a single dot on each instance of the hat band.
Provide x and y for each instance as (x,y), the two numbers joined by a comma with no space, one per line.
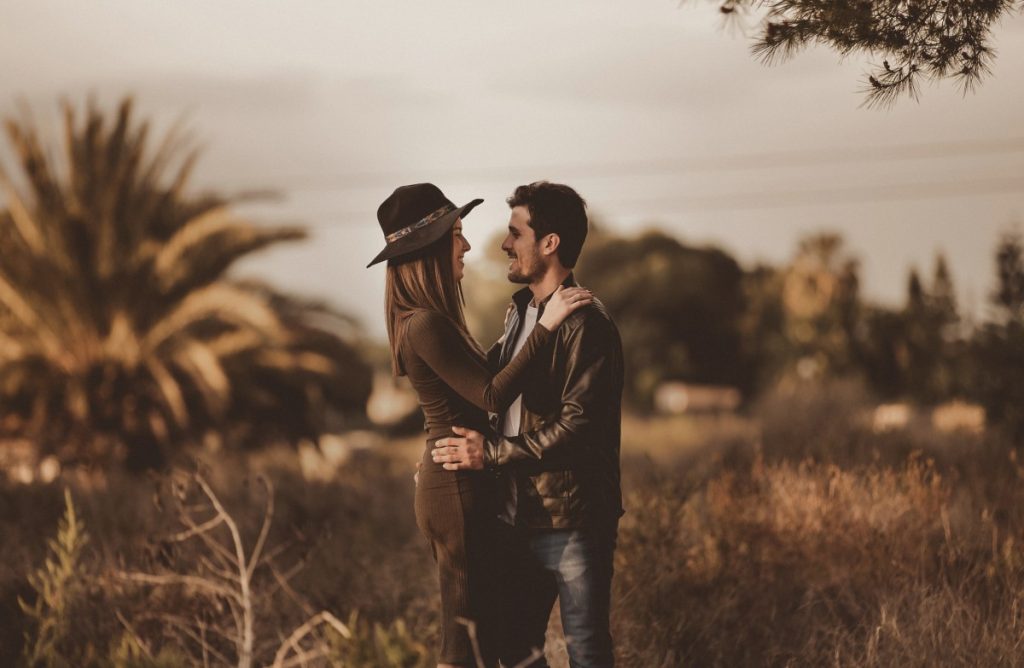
(405,231)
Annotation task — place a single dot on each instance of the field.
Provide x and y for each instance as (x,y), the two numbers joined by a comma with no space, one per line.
(792,535)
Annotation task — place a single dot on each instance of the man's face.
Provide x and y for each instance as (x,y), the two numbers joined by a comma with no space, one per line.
(459,248)
(526,263)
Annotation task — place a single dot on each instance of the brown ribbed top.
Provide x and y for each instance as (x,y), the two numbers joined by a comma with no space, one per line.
(451,376)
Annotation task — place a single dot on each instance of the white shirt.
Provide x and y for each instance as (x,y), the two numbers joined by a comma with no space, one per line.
(513,417)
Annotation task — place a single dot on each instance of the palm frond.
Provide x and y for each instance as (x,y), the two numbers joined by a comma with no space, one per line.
(28,317)
(11,349)
(169,390)
(235,343)
(206,246)
(19,215)
(219,302)
(122,341)
(284,360)
(201,365)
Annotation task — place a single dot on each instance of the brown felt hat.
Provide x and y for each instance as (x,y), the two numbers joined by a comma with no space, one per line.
(413,217)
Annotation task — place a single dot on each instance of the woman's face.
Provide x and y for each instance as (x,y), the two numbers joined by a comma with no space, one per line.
(459,248)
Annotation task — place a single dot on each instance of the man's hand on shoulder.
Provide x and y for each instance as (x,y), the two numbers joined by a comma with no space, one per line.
(465,451)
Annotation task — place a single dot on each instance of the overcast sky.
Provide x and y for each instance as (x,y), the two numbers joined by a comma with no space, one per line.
(653,112)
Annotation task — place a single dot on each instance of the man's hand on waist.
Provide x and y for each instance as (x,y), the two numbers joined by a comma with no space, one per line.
(465,451)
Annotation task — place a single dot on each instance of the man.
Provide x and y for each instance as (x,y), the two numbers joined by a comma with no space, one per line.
(557,453)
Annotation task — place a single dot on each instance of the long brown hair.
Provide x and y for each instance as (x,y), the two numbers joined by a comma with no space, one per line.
(426,281)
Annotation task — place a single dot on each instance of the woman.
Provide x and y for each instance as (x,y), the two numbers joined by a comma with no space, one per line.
(432,346)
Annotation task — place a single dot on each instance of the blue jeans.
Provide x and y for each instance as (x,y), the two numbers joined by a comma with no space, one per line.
(574,565)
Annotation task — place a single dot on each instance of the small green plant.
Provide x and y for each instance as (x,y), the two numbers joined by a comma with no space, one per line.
(378,646)
(58,584)
(129,651)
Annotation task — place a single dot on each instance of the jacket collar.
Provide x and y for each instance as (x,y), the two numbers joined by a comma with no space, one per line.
(523,296)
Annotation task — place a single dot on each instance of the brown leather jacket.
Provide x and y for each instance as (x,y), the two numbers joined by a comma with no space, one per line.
(565,462)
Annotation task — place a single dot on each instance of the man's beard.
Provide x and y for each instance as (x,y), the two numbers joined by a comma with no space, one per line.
(535,273)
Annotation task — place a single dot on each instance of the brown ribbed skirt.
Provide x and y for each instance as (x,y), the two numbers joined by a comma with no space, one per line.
(456,511)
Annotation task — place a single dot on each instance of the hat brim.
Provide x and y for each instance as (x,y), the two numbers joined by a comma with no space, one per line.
(423,237)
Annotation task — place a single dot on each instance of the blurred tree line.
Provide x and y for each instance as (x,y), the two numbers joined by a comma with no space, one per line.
(695,315)
(121,338)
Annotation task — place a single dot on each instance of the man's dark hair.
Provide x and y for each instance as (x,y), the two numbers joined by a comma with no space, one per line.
(555,208)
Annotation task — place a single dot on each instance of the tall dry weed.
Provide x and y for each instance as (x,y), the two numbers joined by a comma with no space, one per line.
(813,564)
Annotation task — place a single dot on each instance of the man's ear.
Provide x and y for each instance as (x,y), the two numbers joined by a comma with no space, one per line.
(549,244)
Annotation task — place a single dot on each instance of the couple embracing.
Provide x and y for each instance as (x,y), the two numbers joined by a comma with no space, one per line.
(520,508)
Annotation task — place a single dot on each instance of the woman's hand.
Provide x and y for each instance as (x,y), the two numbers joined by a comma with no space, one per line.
(562,303)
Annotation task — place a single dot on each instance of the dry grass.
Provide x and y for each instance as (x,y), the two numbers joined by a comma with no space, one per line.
(747,542)
(351,542)
(894,550)
(809,564)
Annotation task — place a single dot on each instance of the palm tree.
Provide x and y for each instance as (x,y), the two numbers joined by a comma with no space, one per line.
(119,335)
